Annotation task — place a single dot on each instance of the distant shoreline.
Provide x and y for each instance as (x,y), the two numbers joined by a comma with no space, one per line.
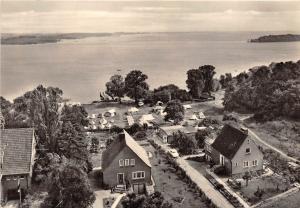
(31,39)
(44,38)
(276,38)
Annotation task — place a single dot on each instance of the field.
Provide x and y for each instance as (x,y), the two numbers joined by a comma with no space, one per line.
(280,134)
(167,182)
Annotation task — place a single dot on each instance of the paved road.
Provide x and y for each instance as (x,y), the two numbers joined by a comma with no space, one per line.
(271,147)
(205,185)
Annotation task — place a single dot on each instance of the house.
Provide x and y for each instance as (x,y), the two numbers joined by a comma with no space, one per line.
(126,163)
(235,150)
(130,120)
(17,160)
(166,133)
(146,119)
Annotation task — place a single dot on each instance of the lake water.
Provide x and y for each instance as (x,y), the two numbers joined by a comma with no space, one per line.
(82,67)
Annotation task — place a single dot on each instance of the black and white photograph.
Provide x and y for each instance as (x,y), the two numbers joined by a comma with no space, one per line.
(150,104)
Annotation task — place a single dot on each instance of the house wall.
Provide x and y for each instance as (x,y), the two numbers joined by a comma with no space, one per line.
(110,173)
(215,155)
(11,183)
(241,156)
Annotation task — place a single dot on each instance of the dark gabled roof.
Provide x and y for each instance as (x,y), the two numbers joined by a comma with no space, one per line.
(16,150)
(229,141)
(122,141)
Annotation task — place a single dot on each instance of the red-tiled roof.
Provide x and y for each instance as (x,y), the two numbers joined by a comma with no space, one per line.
(229,141)
(16,144)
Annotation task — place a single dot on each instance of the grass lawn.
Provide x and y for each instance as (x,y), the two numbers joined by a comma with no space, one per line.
(168,183)
(96,157)
(292,201)
(199,166)
(267,184)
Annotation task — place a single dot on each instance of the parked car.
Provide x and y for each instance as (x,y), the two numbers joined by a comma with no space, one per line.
(174,153)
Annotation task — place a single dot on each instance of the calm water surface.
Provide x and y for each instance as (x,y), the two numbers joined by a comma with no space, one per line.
(82,67)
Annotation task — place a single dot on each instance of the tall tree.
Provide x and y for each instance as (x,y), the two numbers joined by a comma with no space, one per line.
(72,144)
(136,86)
(116,87)
(208,72)
(41,105)
(185,144)
(175,111)
(200,80)
(69,188)
(195,82)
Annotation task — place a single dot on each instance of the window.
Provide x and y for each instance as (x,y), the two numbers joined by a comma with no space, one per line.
(121,162)
(254,162)
(138,174)
(132,162)
(248,141)
(126,162)
(236,164)
(248,150)
(246,164)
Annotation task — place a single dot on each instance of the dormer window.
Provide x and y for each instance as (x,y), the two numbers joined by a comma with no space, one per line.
(248,150)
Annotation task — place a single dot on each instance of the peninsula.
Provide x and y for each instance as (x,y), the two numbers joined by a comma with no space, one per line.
(276,38)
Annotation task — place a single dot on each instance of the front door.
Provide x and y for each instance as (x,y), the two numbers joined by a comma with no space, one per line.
(121,178)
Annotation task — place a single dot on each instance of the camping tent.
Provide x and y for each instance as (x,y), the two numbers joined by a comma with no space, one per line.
(110,113)
(187,107)
(193,117)
(103,121)
(133,110)
(201,115)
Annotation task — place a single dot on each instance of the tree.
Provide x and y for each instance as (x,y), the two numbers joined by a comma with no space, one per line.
(175,111)
(136,86)
(41,106)
(200,80)
(75,114)
(208,72)
(195,82)
(116,87)
(200,137)
(185,144)
(69,188)
(241,77)
(155,200)
(72,144)
(247,177)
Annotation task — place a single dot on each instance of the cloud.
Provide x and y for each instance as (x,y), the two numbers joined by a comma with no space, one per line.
(151,18)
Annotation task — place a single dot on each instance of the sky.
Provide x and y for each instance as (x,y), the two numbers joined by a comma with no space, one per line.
(40,16)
